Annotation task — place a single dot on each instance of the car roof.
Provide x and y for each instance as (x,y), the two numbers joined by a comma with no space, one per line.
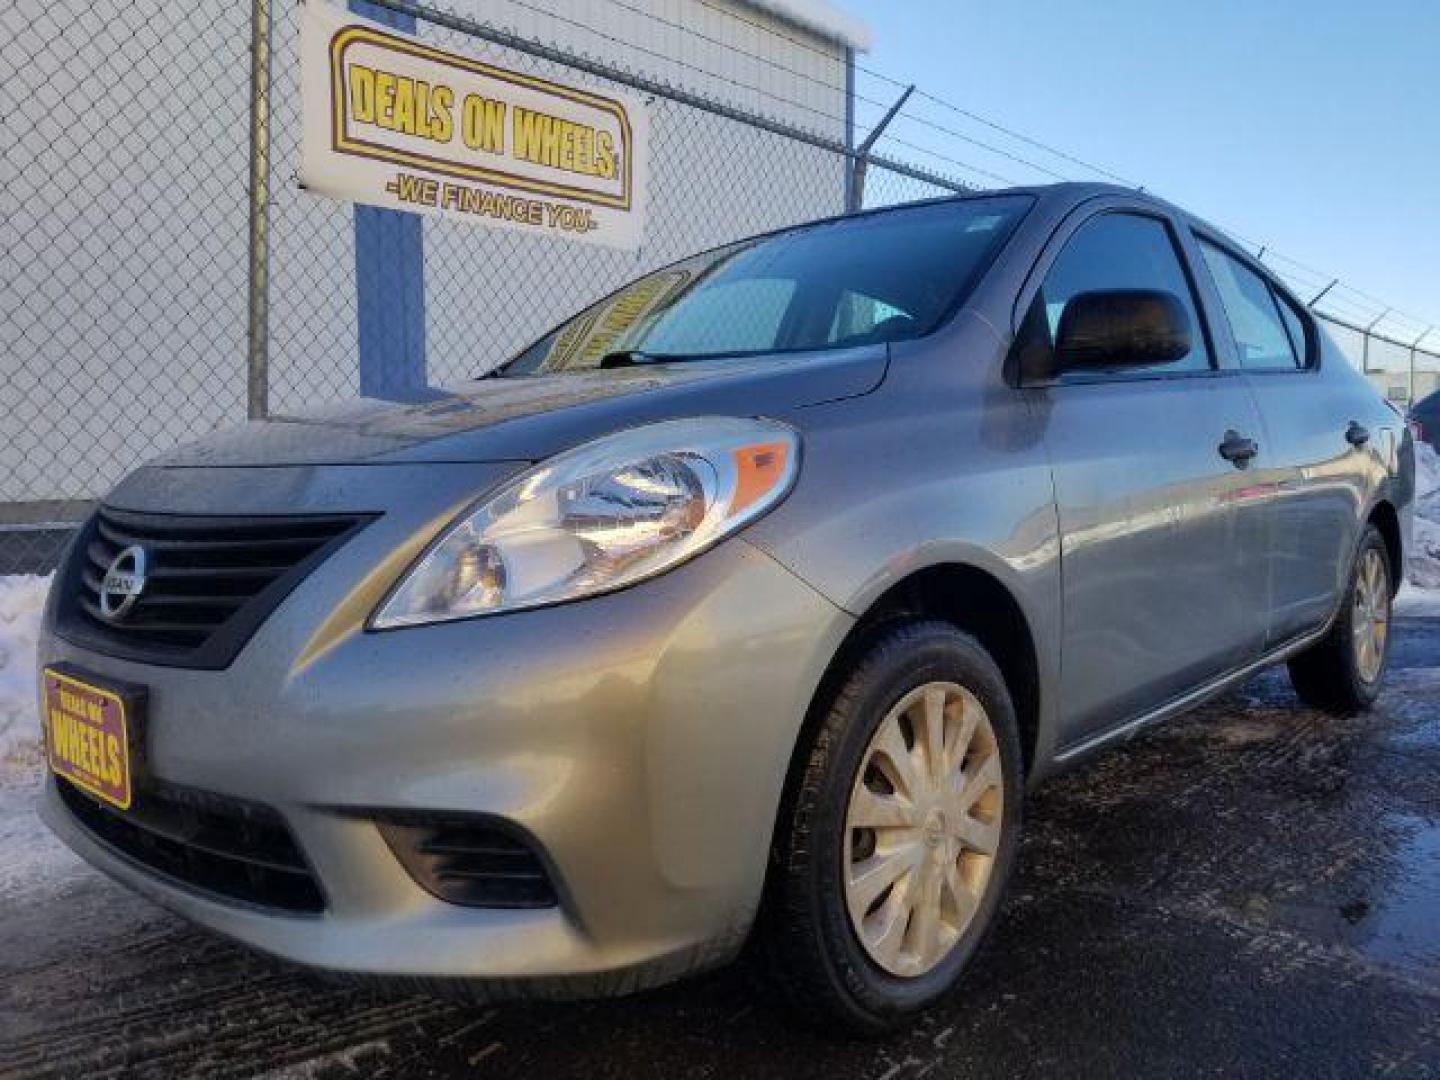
(1070,192)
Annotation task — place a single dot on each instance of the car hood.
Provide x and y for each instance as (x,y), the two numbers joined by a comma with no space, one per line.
(532,417)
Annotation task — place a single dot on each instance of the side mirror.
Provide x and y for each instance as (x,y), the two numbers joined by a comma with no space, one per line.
(1121,328)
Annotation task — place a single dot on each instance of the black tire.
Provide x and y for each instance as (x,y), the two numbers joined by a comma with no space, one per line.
(1327,676)
(809,942)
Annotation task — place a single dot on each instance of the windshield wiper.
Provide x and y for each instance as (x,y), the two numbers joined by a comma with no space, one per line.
(634,357)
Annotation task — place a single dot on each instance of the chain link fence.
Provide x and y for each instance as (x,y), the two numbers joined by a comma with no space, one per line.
(126,180)
(123,291)
(137,311)
(1387,345)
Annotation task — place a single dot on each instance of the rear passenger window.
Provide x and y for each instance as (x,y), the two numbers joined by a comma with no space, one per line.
(1268,332)
(1124,251)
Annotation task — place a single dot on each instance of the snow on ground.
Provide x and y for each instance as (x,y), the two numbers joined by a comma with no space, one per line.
(33,864)
(22,597)
(1417,602)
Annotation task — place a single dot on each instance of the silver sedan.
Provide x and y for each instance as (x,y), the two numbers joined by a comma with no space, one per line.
(750,600)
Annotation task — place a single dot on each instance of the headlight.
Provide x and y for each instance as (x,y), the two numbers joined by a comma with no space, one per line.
(597,518)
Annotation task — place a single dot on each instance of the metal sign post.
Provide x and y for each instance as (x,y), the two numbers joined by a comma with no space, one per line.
(257,389)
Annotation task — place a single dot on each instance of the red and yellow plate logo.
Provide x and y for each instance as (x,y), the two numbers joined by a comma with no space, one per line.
(87,737)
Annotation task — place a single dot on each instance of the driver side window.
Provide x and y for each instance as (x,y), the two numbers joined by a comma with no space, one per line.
(1123,251)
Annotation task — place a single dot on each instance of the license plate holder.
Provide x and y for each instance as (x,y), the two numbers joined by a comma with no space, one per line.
(92,732)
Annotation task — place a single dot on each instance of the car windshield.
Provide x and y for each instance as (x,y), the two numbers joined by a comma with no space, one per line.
(832,285)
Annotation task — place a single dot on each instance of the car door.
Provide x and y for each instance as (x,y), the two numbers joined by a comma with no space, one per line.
(1315,478)
(1163,587)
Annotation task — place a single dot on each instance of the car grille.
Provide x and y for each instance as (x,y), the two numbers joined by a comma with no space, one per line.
(231,850)
(467,860)
(209,582)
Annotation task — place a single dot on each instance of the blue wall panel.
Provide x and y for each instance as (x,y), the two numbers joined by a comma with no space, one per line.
(390,282)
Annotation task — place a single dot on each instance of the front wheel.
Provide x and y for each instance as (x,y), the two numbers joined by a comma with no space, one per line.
(900,833)
(1341,673)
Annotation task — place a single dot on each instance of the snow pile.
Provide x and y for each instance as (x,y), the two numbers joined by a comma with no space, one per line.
(1423,565)
(22,597)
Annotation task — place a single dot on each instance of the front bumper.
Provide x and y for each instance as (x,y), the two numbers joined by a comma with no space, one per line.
(641,739)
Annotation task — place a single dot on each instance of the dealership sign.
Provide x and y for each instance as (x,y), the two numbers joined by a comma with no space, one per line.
(393,121)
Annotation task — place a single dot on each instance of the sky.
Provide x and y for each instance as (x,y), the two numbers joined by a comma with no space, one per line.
(1311,127)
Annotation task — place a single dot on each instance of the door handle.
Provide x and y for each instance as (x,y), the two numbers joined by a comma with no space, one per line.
(1357,434)
(1237,449)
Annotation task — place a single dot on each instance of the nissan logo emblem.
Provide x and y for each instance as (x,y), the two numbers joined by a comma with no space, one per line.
(124,582)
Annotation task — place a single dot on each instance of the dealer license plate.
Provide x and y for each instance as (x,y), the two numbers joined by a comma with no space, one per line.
(88,731)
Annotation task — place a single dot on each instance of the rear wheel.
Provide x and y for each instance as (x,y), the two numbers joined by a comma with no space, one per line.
(1341,674)
(894,850)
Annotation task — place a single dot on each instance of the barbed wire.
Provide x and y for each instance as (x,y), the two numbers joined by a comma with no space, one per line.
(1366,305)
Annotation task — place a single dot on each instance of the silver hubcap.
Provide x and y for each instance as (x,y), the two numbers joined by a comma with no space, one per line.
(923,828)
(1370,623)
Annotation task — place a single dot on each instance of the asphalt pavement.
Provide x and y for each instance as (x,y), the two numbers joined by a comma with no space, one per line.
(1251,890)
